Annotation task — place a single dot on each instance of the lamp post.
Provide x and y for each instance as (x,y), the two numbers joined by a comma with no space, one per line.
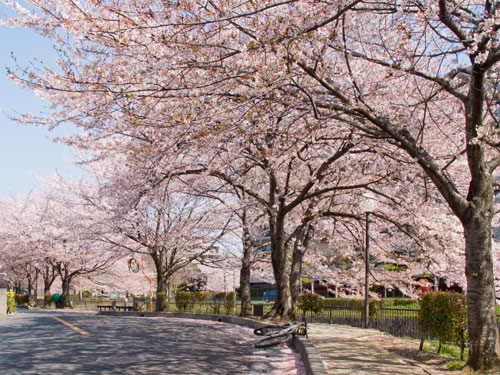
(367,206)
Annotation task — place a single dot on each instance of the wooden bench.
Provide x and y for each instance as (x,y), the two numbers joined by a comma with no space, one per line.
(115,308)
(125,308)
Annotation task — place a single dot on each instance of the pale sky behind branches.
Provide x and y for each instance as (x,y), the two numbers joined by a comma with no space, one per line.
(25,152)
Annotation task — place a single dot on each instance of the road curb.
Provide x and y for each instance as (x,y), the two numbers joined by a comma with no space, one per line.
(310,356)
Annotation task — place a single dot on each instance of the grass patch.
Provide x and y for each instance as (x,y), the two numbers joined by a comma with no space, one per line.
(455,365)
(448,350)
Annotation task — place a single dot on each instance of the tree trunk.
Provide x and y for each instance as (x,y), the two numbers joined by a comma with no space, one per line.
(295,281)
(304,237)
(65,285)
(283,305)
(481,301)
(246,265)
(161,292)
(484,351)
(30,287)
(48,279)
(35,294)
(421,346)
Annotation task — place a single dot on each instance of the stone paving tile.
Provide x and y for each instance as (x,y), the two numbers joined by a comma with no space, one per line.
(344,351)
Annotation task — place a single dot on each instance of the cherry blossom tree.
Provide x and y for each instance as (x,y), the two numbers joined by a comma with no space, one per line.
(275,144)
(23,242)
(425,75)
(420,76)
(169,222)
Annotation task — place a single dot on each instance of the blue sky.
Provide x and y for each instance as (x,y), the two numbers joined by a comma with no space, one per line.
(24,150)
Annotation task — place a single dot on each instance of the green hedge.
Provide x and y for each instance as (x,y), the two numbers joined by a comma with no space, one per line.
(339,302)
(11,302)
(401,303)
(182,300)
(396,303)
(22,299)
(310,302)
(373,307)
(444,316)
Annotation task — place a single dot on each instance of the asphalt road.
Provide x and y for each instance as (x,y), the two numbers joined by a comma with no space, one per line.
(59,342)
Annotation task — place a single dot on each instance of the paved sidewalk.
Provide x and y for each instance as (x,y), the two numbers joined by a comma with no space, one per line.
(344,350)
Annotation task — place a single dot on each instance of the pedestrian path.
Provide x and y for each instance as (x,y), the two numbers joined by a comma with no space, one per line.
(346,350)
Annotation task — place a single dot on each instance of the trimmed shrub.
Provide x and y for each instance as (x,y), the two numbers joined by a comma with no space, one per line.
(47,300)
(182,300)
(161,301)
(443,315)
(201,298)
(22,299)
(373,307)
(219,300)
(229,302)
(11,302)
(310,302)
(400,303)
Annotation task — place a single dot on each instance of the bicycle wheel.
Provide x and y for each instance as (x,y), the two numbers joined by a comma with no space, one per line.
(262,331)
(272,340)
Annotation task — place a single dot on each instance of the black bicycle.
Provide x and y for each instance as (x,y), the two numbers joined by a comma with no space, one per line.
(276,334)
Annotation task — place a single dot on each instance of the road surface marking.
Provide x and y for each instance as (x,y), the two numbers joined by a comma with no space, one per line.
(80,331)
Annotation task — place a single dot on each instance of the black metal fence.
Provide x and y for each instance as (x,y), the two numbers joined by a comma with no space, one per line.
(397,322)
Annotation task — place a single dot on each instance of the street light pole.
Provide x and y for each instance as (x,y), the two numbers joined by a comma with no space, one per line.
(367,205)
(367,270)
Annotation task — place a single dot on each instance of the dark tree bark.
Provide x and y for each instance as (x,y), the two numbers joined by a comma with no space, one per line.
(66,278)
(245,272)
(48,278)
(302,240)
(162,278)
(282,307)
(65,293)
(481,301)
(161,294)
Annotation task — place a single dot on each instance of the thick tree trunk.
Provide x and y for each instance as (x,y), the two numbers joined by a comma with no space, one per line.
(161,292)
(296,271)
(162,289)
(484,350)
(481,301)
(48,279)
(46,285)
(283,305)
(30,287)
(246,264)
(304,237)
(65,285)
(246,267)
